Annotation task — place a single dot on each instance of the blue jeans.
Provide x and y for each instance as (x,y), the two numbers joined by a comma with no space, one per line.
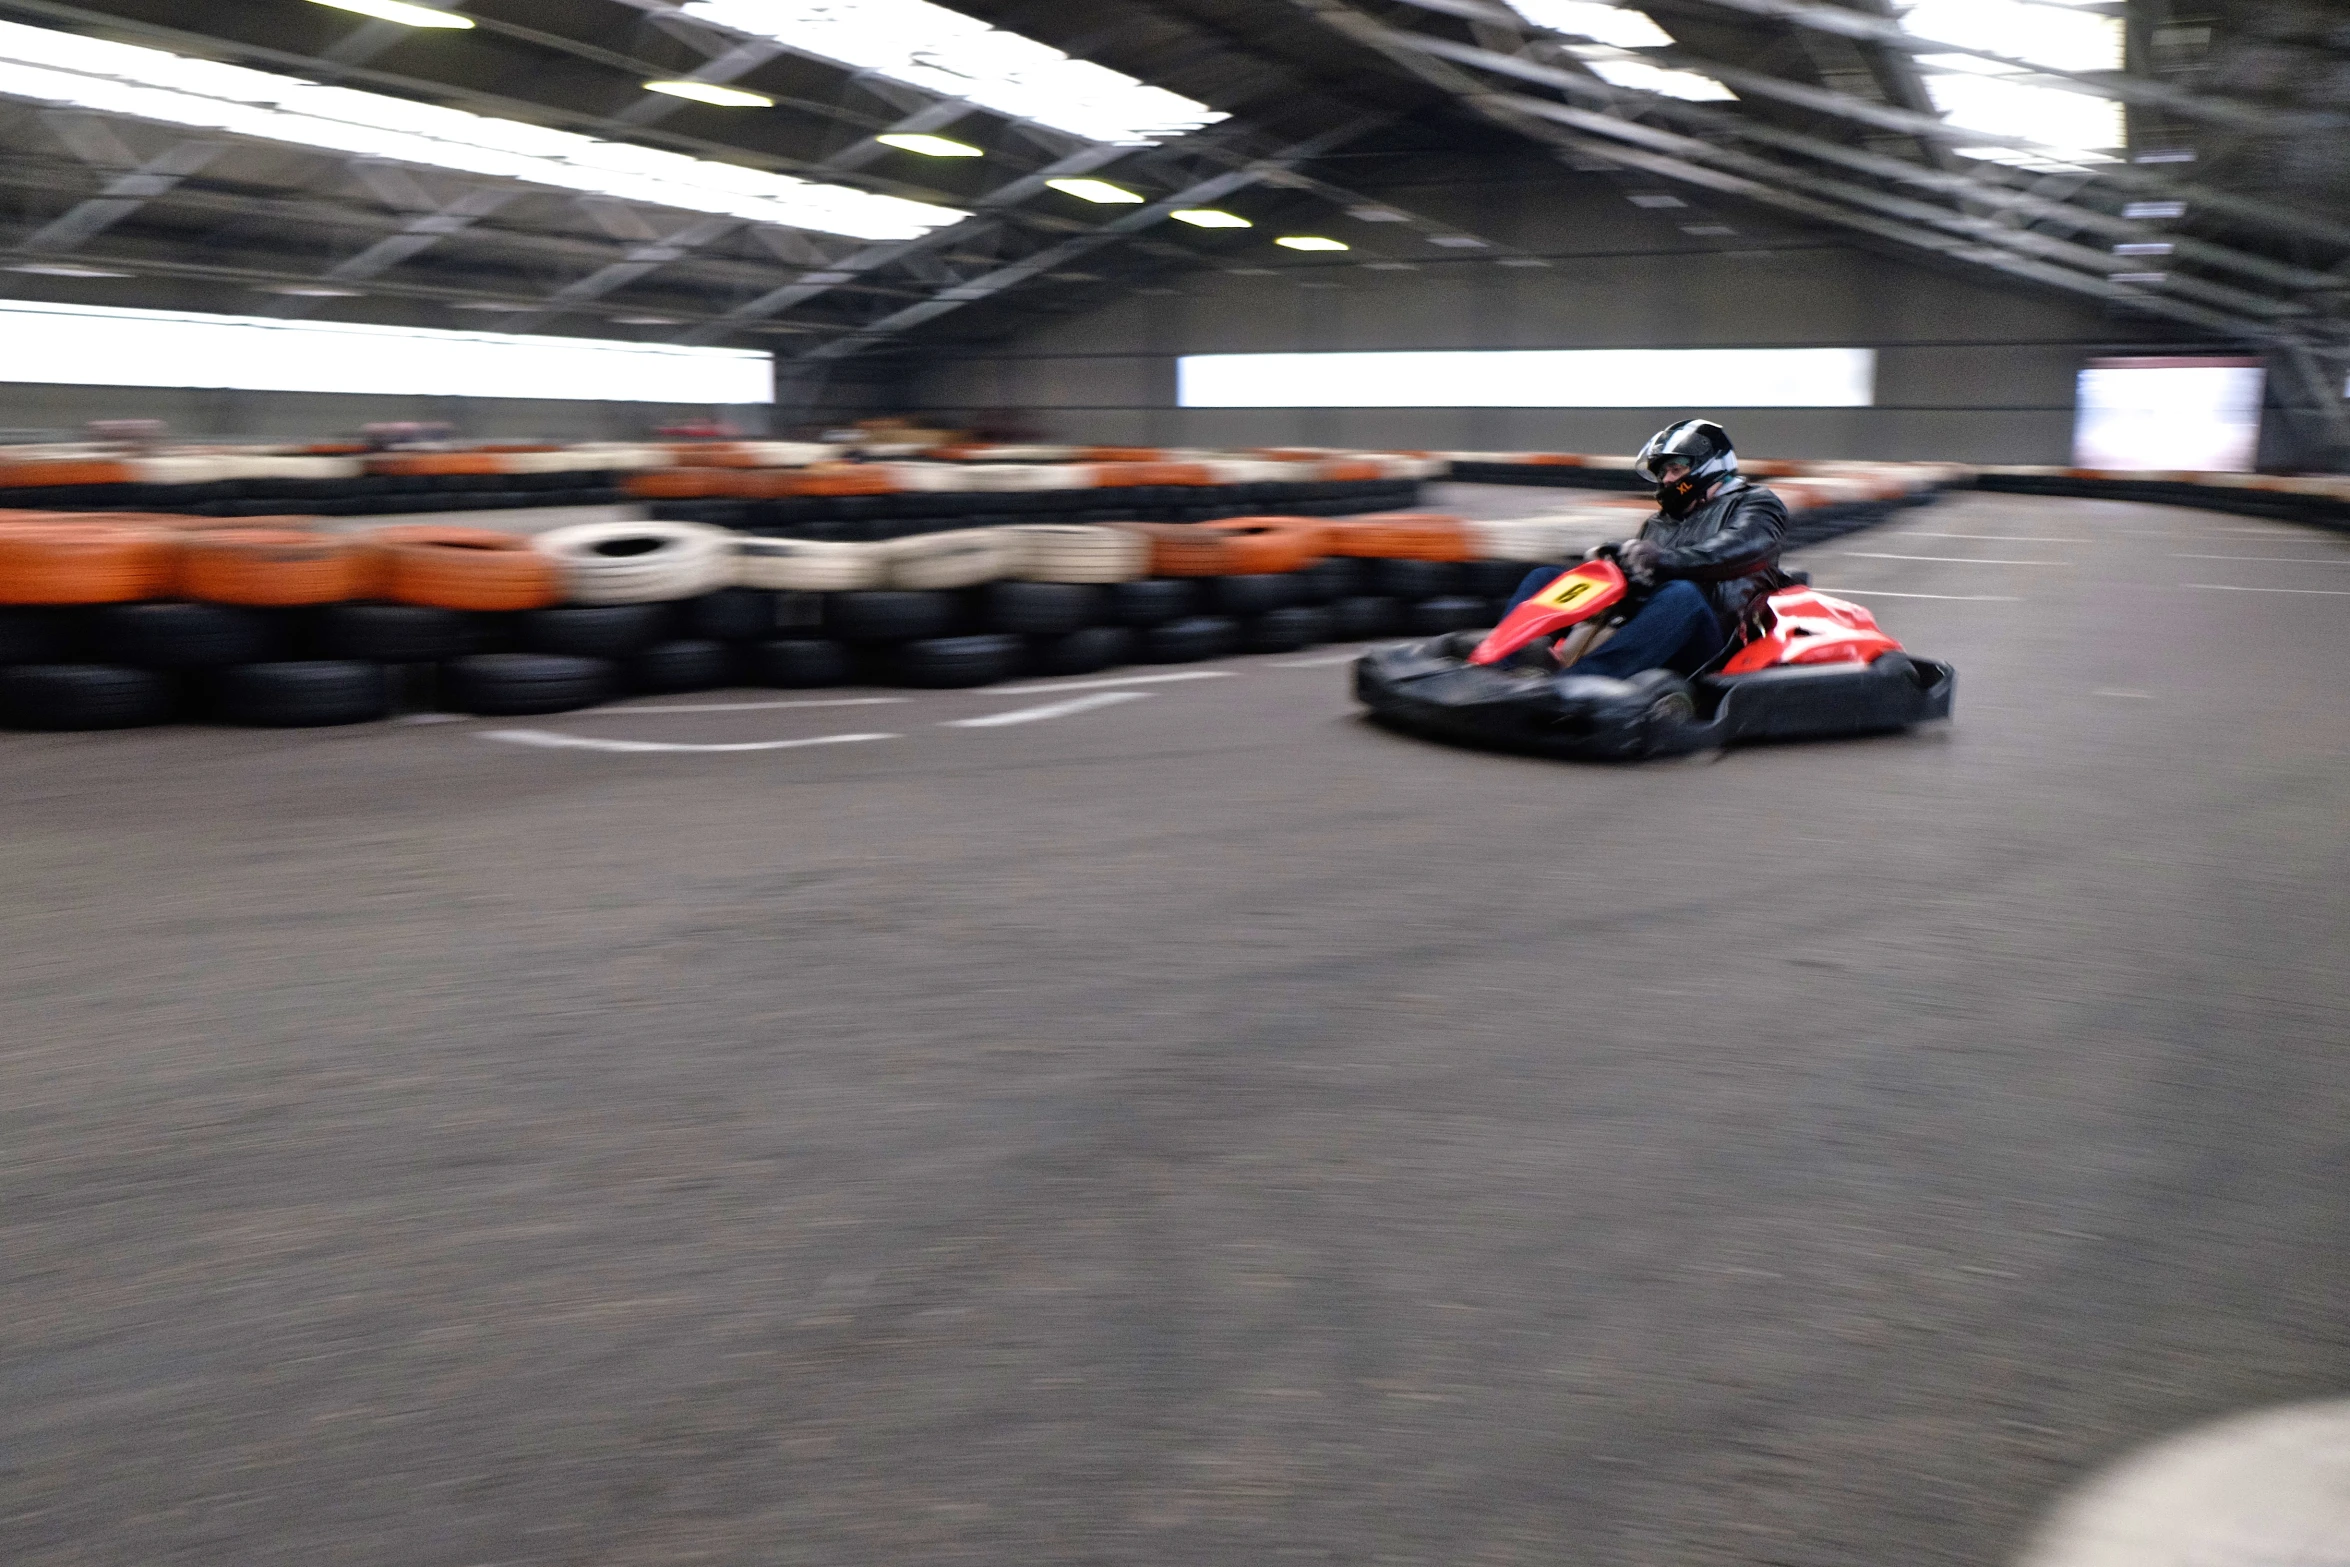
(1674,630)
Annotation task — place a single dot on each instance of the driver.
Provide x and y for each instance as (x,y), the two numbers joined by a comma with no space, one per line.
(1711,550)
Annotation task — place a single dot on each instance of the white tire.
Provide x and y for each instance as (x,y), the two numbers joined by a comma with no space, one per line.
(962,559)
(1073,552)
(639,562)
(806,565)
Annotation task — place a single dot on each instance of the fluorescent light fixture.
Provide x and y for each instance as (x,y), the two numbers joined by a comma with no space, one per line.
(2143,248)
(1311,242)
(956,56)
(1211,218)
(929,146)
(1606,24)
(64,269)
(713,94)
(2154,209)
(2197,414)
(79,345)
(1977,94)
(310,291)
(1458,242)
(150,84)
(1644,77)
(2136,277)
(1095,190)
(1534,378)
(2165,155)
(1655,198)
(1375,215)
(398,11)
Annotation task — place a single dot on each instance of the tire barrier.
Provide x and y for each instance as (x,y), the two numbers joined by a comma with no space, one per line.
(276,568)
(306,695)
(681,664)
(962,559)
(465,568)
(639,562)
(150,621)
(518,684)
(1070,552)
(806,565)
(84,696)
(83,563)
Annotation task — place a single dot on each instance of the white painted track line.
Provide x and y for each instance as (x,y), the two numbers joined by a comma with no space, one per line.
(1887,593)
(1033,689)
(2001,538)
(1328,661)
(1950,560)
(754,707)
(2230,587)
(2274,560)
(1030,715)
(550,740)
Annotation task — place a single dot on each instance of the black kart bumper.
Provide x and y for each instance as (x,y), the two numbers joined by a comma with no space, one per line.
(1426,689)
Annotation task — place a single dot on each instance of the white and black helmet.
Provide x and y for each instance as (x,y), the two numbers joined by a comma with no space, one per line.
(1701,443)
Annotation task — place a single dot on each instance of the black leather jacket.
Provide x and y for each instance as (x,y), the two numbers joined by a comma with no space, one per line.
(1729,547)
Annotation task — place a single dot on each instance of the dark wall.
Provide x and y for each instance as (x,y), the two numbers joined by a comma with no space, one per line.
(1968,369)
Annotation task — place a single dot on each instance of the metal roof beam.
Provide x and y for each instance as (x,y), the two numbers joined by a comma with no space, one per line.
(1971,187)
(1405,49)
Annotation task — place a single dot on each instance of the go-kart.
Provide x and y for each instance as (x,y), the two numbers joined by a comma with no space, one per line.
(1803,665)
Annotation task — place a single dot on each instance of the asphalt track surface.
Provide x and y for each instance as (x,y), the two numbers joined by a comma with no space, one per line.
(1199,1127)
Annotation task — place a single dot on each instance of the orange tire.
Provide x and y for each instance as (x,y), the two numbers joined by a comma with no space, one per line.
(674,484)
(85,562)
(465,568)
(438,464)
(276,566)
(1403,535)
(1185,549)
(1270,544)
(1130,475)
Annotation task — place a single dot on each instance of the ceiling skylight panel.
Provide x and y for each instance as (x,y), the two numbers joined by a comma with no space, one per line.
(957,56)
(1599,22)
(1625,72)
(2000,98)
(111,78)
(2056,36)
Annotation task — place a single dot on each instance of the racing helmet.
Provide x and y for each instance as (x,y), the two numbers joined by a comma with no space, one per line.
(1703,445)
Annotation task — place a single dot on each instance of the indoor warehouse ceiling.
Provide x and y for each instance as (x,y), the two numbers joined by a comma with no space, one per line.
(827,178)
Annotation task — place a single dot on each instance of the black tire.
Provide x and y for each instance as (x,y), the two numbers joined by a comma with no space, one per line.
(731,615)
(1326,581)
(798,663)
(1043,609)
(1245,597)
(84,696)
(960,661)
(686,664)
(1082,652)
(891,616)
(41,636)
(399,633)
(1493,579)
(1153,601)
(1194,637)
(1415,579)
(1431,616)
(1286,630)
(184,636)
(598,631)
(302,694)
(1365,615)
(505,684)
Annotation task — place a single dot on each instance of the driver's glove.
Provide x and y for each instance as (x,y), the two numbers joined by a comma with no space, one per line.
(1639,558)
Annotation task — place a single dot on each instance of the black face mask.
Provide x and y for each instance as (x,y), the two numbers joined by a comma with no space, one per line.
(1677,498)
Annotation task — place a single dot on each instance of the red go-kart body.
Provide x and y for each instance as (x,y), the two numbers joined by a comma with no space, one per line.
(1797,625)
